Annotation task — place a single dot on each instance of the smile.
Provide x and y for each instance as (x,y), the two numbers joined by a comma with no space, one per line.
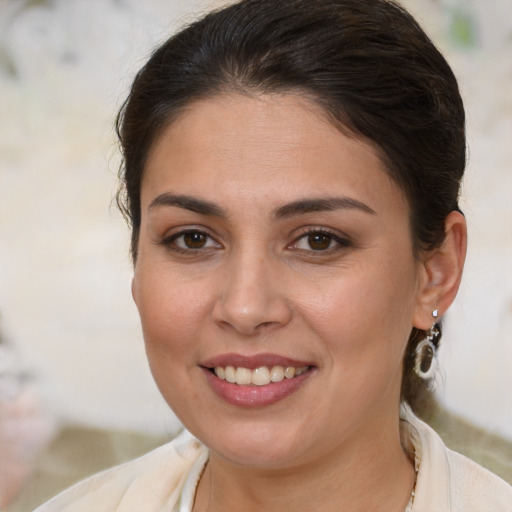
(261,376)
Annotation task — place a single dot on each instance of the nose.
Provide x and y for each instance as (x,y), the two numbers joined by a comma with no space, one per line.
(252,296)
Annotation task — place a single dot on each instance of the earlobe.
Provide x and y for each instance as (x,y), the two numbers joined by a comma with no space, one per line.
(442,272)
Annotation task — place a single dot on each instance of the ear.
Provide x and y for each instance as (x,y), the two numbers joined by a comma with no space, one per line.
(134,291)
(441,272)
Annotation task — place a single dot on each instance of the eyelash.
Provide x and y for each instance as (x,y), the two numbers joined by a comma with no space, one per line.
(170,241)
(340,242)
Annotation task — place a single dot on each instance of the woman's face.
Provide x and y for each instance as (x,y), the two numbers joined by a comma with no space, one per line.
(270,240)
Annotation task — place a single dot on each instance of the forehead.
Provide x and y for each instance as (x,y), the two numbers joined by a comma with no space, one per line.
(277,147)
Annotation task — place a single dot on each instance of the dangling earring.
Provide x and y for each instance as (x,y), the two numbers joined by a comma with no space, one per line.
(425,363)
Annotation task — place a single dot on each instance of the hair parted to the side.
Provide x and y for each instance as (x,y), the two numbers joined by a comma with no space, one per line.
(366,63)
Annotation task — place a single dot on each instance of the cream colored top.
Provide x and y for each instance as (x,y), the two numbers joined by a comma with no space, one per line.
(166,478)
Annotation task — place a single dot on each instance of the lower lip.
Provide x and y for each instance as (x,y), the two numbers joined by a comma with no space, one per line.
(255,396)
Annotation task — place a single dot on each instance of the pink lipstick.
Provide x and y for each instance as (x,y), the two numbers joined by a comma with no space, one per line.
(255,381)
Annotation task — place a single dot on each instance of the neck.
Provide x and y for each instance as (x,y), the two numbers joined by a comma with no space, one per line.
(357,475)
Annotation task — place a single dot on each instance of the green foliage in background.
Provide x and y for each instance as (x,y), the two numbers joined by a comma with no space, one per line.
(463,28)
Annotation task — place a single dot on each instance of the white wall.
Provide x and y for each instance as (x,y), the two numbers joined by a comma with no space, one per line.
(64,266)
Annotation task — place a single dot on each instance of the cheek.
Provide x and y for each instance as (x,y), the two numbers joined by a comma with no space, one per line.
(171,309)
(365,314)
(171,313)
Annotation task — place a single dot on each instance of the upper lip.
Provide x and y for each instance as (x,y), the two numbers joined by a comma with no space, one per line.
(254,361)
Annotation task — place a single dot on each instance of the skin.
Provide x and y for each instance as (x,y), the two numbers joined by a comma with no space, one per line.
(258,286)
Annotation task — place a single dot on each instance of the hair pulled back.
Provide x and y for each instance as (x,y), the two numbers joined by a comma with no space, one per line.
(366,63)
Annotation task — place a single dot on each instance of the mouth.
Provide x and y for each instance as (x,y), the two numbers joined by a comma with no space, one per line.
(262,376)
(256,381)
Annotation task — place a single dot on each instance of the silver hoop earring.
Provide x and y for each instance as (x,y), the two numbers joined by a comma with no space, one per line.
(425,363)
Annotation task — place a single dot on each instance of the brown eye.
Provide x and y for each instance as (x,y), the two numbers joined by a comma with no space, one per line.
(190,241)
(319,241)
(195,239)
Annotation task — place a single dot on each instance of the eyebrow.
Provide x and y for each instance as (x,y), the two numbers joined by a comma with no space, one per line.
(292,209)
(188,203)
(321,205)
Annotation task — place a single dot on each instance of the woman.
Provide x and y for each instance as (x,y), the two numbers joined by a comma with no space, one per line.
(291,174)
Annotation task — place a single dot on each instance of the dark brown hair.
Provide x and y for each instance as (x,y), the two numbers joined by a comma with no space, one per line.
(366,63)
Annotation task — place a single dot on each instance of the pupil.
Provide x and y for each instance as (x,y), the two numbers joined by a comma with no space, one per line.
(319,242)
(194,240)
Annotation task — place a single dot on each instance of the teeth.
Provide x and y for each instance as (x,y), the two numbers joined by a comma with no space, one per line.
(220,372)
(243,376)
(229,374)
(277,374)
(260,376)
(289,373)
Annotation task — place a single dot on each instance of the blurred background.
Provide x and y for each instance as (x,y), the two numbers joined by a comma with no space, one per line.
(72,359)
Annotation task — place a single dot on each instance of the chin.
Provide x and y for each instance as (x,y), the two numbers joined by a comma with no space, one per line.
(254,445)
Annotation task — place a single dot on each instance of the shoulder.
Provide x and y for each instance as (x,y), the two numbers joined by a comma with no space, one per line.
(151,483)
(474,488)
(450,482)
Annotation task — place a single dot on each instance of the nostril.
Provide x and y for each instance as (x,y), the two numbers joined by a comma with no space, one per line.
(263,325)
